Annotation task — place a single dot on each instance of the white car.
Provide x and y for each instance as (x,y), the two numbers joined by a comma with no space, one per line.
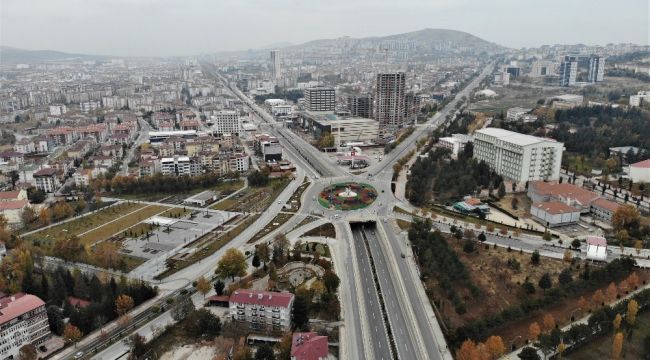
(79,355)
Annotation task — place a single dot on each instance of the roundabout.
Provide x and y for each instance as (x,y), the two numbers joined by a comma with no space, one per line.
(347,196)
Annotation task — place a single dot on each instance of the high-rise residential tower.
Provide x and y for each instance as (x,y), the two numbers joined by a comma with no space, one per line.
(276,66)
(390,104)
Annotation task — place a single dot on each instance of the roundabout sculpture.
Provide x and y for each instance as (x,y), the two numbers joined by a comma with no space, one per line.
(347,196)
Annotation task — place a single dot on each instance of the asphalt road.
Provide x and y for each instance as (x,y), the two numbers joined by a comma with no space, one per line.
(376,333)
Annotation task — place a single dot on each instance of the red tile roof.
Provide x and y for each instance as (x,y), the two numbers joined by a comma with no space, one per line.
(266,298)
(308,346)
(12,307)
(79,303)
(567,191)
(555,207)
(596,241)
(642,164)
(13,205)
(8,195)
(605,204)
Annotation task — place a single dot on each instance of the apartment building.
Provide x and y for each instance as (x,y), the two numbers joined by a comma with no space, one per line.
(23,320)
(320,98)
(390,99)
(518,157)
(47,180)
(262,310)
(177,166)
(226,122)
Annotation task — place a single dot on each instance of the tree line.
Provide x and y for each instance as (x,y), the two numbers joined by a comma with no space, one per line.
(56,287)
(439,261)
(157,183)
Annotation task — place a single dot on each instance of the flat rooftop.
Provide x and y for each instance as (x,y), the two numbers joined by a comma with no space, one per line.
(513,137)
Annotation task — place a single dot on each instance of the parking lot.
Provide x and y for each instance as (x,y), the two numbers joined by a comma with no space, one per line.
(172,233)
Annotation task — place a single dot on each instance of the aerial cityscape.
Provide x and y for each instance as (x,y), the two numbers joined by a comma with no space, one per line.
(308,181)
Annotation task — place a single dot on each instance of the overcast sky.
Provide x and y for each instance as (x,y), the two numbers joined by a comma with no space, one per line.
(185,27)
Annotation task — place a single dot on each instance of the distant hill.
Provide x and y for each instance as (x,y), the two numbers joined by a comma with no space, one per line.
(437,40)
(11,55)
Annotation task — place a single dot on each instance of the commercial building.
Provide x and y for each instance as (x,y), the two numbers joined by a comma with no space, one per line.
(543,68)
(262,310)
(581,68)
(226,122)
(23,321)
(320,98)
(308,346)
(276,65)
(390,99)
(568,71)
(640,171)
(268,147)
(518,157)
(360,105)
(502,78)
(344,128)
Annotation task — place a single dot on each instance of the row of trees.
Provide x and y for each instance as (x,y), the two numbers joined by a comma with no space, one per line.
(157,183)
(439,261)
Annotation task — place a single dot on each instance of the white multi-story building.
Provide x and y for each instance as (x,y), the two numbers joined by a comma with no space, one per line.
(46,180)
(518,157)
(456,143)
(262,310)
(516,113)
(23,321)
(226,122)
(58,110)
(640,98)
(177,165)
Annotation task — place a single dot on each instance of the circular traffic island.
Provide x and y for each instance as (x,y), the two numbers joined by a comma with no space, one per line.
(347,196)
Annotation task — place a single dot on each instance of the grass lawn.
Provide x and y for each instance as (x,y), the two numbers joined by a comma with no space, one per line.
(138,230)
(176,212)
(326,230)
(253,199)
(129,219)
(601,348)
(304,221)
(48,236)
(404,225)
(294,201)
(322,249)
(277,221)
(523,204)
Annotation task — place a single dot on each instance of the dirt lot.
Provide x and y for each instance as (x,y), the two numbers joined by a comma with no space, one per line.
(523,204)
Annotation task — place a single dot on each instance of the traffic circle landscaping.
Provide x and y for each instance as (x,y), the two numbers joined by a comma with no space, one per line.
(347,196)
